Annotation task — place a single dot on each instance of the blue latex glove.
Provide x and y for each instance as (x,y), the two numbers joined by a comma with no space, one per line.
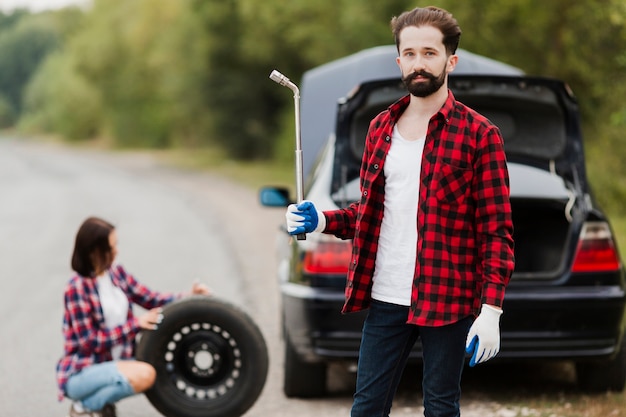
(303,218)
(483,339)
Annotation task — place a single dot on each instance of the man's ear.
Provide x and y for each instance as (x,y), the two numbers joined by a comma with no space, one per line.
(452,61)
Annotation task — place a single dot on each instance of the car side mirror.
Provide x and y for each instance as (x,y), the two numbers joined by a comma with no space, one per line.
(274,197)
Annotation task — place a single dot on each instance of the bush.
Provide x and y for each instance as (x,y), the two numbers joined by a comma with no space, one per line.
(59,100)
(7,113)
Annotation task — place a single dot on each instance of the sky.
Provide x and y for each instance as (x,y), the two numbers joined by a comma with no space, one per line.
(7,6)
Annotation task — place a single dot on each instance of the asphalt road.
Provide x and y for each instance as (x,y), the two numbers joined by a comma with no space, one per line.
(174,227)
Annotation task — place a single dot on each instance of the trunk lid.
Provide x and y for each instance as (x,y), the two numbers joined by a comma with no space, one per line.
(539,121)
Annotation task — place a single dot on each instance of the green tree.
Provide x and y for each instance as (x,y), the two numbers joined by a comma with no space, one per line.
(241,105)
(119,53)
(295,36)
(7,114)
(61,101)
(580,42)
(194,72)
(22,48)
(9,20)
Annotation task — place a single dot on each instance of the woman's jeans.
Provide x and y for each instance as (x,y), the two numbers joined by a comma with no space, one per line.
(98,385)
(386,343)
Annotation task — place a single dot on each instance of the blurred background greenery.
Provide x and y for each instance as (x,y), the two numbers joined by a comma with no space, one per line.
(193,74)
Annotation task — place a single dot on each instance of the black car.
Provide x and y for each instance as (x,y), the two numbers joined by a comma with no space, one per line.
(567,295)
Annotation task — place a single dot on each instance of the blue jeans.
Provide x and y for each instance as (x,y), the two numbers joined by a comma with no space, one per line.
(98,385)
(386,343)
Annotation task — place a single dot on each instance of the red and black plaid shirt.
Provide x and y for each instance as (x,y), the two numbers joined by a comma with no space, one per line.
(465,245)
(87,339)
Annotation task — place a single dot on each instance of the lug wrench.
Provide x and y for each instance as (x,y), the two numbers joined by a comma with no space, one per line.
(279,78)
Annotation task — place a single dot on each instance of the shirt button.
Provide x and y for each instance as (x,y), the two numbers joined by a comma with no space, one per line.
(387,138)
(375,166)
(364,193)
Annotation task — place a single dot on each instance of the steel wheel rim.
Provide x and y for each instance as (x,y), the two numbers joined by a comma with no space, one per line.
(203,361)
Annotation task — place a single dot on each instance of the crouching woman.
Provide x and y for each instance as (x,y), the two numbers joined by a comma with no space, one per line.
(97,368)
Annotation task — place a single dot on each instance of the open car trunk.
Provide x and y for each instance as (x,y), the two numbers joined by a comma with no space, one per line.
(541,231)
(538,121)
(543,206)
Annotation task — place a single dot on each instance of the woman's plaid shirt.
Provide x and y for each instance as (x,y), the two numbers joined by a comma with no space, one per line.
(465,245)
(87,339)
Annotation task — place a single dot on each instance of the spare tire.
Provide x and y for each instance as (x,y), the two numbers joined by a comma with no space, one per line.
(210,358)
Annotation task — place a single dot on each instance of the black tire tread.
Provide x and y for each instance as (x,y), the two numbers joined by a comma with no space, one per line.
(166,399)
(601,376)
(301,379)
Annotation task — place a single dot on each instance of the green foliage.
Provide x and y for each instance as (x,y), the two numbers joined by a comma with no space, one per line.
(23,46)
(581,42)
(8,21)
(232,83)
(60,101)
(194,73)
(119,52)
(293,37)
(7,113)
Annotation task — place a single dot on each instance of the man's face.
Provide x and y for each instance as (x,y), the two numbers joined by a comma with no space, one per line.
(423,60)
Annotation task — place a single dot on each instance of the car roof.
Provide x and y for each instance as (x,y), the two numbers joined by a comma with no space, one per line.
(323,86)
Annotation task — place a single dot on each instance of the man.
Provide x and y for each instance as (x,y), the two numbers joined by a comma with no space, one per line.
(432,232)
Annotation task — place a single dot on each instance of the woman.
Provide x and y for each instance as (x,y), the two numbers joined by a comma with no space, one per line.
(98,368)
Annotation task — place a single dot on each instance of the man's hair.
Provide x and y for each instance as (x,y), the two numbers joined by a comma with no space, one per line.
(429,16)
(92,250)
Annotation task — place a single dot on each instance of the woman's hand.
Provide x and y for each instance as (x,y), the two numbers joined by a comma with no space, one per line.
(151,319)
(198,288)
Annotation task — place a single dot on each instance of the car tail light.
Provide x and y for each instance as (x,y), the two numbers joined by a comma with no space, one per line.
(596,250)
(328,258)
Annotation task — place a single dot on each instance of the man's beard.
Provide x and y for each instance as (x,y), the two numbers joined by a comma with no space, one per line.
(424,88)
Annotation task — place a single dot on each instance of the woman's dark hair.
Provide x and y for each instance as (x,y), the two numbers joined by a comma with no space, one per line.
(92,251)
(429,16)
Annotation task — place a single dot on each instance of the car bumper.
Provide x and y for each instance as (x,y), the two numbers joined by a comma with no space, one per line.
(537,324)
(568,323)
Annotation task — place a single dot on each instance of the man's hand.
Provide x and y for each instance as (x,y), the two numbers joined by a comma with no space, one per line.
(483,339)
(304,218)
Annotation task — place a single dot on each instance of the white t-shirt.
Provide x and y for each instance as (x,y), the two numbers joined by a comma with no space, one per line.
(114,306)
(397,246)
